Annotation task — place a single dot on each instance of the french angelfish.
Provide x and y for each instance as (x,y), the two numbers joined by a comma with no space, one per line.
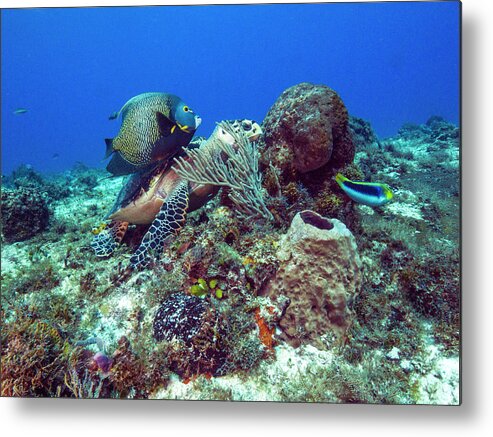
(155,126)
(367,193)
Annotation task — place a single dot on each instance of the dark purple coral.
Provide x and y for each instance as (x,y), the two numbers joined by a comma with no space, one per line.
(24,213)
(195,331)
(179,317)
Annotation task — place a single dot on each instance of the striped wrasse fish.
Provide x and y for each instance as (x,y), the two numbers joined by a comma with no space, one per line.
(367,193)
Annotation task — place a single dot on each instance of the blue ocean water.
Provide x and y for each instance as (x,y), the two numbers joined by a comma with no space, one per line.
(391,63)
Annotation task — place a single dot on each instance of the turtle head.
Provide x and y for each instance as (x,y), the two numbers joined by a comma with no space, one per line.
(227,130)
(249,128)
(185,118)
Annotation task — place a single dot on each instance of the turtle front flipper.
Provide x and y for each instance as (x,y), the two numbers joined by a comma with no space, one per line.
(169,220)
(105,242)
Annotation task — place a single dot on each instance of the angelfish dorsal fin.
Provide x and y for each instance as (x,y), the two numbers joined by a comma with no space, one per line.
(166,126)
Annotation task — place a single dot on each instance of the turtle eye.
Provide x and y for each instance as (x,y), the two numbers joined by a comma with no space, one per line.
(186,108)
(246,125)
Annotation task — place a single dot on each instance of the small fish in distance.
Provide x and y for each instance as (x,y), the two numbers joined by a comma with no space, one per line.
(20,111)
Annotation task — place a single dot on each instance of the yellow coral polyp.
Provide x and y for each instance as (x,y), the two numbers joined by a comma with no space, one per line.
(202,288)
(248,260)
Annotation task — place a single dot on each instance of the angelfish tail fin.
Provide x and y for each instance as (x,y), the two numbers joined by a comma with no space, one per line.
(118,166)
(109,147)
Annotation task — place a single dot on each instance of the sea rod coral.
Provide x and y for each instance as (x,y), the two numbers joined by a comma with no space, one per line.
(232,164)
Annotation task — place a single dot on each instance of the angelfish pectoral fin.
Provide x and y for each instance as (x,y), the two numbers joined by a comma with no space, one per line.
(166,126)
(163,148)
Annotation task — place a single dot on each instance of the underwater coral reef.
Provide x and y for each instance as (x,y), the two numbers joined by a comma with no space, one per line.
(262,280)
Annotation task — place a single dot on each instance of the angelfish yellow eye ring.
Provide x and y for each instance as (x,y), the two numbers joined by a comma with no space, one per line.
(186,108)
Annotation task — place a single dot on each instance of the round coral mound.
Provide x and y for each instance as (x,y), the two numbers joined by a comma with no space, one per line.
(306,128)
(194,330)
(24,213)
(179,317)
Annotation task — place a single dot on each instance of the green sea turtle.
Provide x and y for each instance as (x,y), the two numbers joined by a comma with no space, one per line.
(154,127)
(162,199)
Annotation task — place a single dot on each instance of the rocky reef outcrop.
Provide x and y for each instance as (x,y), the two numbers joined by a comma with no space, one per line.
(320,272)
(24,213)
(363,134)
(306,128)
(436,129)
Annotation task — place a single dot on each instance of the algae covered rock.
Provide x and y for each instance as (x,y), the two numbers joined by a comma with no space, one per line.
(306,128)
(24,213)
(436,129)
(363,134)
(320,272)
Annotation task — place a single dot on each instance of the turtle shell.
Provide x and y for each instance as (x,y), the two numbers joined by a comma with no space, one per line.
(139,182)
